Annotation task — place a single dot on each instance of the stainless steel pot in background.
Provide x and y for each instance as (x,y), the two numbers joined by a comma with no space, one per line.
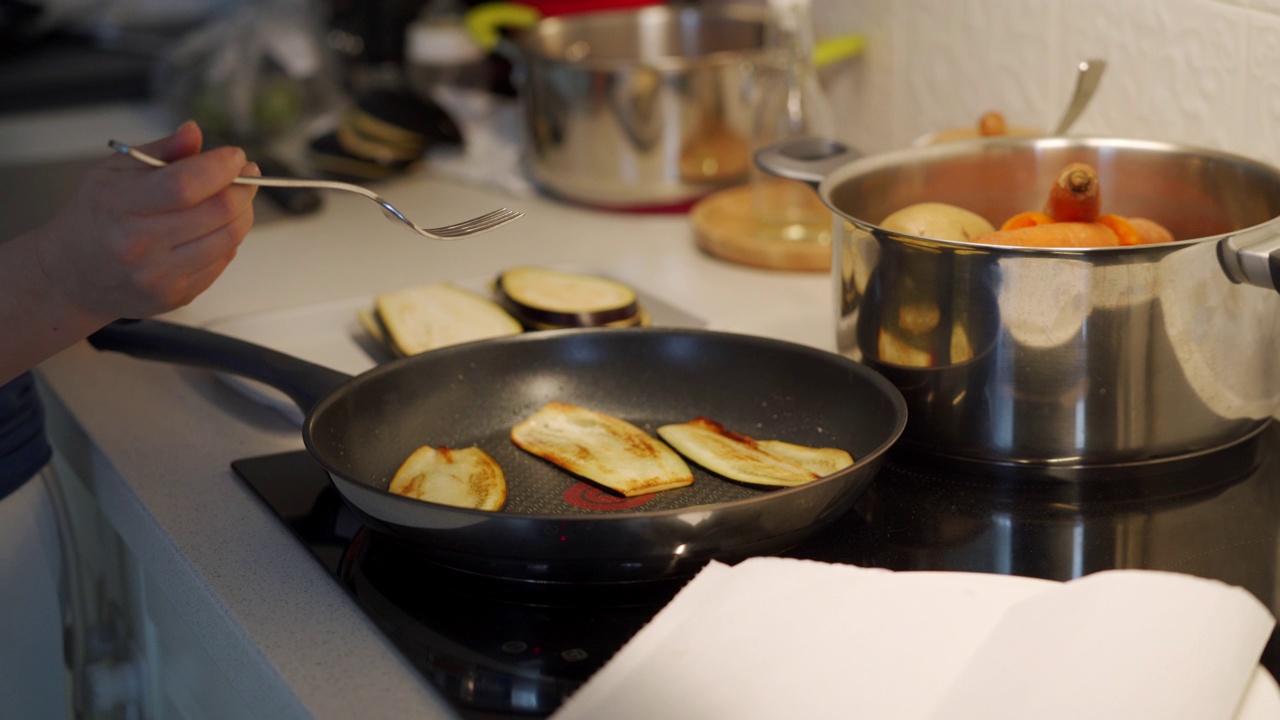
(638,108)
(1059,357)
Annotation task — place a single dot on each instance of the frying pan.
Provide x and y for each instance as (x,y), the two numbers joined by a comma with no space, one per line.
(554,527)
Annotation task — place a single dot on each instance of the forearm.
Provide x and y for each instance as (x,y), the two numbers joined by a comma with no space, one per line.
(133,241)
(37,319)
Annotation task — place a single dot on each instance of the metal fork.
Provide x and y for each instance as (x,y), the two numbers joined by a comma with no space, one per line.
(466,228)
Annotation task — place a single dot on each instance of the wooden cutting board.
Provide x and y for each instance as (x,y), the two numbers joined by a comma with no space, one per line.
(725,226)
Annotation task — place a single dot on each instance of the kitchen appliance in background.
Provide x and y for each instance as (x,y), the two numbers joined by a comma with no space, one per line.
(71,53)
(260,75)
(131,653)
(370,34)
(635,109)
(439,52)
(448,42)
(774,222)
(791,104)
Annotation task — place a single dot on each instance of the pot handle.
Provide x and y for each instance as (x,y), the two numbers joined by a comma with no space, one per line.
(807,159)
(303,381)
(1252,256)
(486,21)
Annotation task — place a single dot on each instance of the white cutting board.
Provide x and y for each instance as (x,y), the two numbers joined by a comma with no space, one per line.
(330,334)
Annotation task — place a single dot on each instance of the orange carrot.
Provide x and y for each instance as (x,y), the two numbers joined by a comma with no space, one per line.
(1075,195)
(1054,235)
(1071,219)
(1122,228)
(1030,218)
(992,123)
(1150,231)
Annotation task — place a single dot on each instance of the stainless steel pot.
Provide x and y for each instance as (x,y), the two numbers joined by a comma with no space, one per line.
(1070,357)
(638,108)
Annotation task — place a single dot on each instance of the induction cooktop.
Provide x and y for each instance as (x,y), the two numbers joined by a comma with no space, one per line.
(501,648)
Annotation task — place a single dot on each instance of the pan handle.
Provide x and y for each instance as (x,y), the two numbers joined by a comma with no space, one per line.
(303,381)
(807,159)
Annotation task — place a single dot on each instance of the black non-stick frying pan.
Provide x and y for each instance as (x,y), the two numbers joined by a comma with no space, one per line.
(554,526)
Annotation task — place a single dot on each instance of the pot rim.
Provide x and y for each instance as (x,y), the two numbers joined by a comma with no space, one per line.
(968,146)
(530,50)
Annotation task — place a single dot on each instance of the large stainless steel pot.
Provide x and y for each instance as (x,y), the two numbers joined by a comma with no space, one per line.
(1071,357)
(639,108)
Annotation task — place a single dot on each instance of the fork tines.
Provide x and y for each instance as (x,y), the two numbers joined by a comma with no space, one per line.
(479,224)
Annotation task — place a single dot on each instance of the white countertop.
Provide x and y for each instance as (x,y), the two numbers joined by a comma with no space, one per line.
(160,438)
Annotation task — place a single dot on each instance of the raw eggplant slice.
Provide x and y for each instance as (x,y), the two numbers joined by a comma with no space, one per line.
(745,459)
(640,319)
(427,317)
(543,298)
(373,326)
(467,478)
(602,448)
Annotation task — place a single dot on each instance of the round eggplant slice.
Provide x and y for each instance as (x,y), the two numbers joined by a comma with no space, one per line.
(640,319)
(543,298)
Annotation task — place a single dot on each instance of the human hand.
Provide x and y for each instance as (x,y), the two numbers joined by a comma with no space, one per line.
(136,241)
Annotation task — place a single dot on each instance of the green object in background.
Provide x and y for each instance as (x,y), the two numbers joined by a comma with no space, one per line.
(835,49)
(209,109)
(277,106)
(485,22)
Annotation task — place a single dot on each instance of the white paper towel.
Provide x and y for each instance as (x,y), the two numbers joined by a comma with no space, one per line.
(774,637)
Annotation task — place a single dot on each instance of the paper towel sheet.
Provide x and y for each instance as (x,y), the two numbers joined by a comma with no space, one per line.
(774,637)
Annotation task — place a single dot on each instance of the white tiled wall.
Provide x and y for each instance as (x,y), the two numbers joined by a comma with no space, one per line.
(1203,72)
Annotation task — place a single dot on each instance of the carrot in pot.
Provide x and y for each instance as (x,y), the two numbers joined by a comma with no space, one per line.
(1054,235)
(1075,199)
(1150,231)
(1123,229)
(1030,218)
(1070,219)
(991,124)
(1075,196)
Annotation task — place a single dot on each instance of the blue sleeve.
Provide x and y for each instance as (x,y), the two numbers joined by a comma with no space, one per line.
(23,447)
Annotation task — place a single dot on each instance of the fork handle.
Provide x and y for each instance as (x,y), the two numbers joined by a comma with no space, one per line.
(301,183)
(140,156)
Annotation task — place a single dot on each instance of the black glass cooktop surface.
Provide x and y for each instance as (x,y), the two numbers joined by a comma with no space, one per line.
(500,648)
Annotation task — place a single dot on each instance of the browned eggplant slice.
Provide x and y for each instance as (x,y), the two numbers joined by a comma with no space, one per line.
(745,459)
(602,448)
(467,477)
